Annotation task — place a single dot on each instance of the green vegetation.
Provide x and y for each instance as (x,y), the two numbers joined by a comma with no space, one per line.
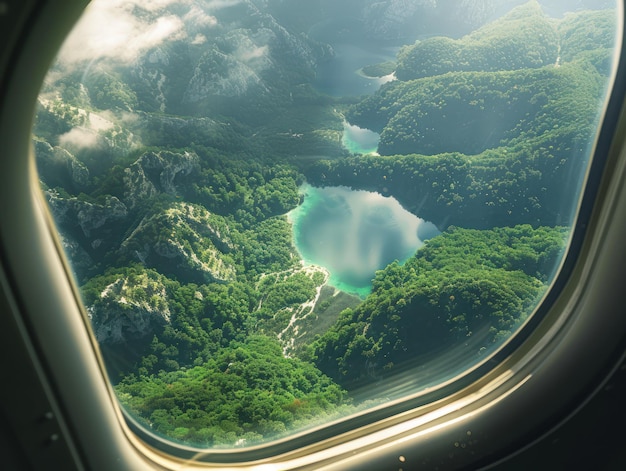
(480,149)
(379,70)
(525,38)
(461,283)
(470,112)
(171,180)
(244,394)
(586,34)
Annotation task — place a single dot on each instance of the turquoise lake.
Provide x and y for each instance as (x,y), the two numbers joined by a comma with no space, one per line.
(358,140)
(354,233)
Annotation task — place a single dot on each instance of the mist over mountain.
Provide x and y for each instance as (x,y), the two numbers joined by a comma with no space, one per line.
(391,20)
(186,55)
(210,58)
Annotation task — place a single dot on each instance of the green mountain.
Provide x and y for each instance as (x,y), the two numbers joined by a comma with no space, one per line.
(186,241)
(170,171)
(470,112)
(465,292)
(524,38)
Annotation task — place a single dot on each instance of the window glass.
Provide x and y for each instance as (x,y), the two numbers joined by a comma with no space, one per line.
(282,213)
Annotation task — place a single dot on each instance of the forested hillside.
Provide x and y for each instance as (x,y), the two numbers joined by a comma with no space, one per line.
(171,166)
(462,283)
(478,149)
(523,39)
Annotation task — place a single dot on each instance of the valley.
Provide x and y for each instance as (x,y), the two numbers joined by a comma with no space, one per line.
(176,174)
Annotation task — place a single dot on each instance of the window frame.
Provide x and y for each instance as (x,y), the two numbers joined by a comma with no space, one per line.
(549,365)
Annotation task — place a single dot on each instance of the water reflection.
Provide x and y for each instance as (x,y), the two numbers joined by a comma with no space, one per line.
(354,233)
(359,140)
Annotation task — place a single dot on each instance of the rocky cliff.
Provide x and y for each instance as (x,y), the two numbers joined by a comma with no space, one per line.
(157,172)
(233,50)
(130,307)
(59,167)
(96,221)
(184,241)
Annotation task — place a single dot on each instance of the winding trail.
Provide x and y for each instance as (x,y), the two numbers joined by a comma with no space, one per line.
(304,309)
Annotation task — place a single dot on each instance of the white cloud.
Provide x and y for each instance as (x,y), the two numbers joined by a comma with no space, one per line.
(152,5)
(199,18)
(246,55)
(199,39)
(110,29)
(218,4)
(79,138)
(121,30)
(98,122)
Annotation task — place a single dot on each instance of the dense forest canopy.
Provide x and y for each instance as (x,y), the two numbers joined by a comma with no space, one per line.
(171,165)
(461,283)
(522,39)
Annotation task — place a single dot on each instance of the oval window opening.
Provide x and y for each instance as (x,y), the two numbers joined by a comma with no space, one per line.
(283,214)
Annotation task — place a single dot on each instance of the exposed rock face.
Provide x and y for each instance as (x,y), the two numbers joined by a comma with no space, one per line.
(130,308)
(155,173)
(192,244)
(78,173)
(149,74)
(59,167)
(250,59)
(93,219)
(227,52)
(81,262)
(219,74)
(86,229)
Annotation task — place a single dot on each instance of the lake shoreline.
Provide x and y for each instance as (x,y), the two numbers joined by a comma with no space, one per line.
(354,233)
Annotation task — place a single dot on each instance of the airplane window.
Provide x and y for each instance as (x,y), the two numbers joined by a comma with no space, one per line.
(285,216)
